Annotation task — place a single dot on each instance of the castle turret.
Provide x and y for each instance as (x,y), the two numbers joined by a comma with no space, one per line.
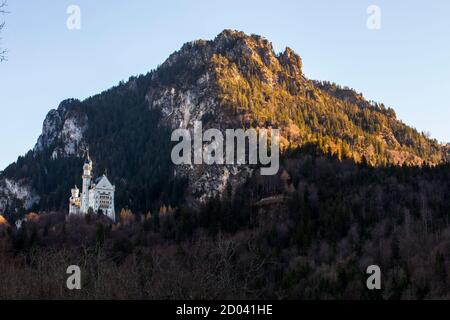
(87,176)
(74,201)
(75,192)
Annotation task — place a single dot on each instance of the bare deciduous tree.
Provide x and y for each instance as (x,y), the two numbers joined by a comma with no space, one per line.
(2,25)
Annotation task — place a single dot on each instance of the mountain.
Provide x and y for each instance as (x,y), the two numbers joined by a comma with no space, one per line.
(356,187)
(233,81)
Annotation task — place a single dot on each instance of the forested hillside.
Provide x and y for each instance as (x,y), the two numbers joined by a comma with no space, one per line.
(307,233)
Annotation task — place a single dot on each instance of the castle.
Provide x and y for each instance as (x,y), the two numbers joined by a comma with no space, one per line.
(97,194)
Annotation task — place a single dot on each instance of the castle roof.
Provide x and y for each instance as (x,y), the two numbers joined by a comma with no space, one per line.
(103,183)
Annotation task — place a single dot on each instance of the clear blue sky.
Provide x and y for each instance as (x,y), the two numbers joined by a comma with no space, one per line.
(406,64)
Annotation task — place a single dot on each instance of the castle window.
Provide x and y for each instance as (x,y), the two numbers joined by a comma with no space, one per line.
(105,201)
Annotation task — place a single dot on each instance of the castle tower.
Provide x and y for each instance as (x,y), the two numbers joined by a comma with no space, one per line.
(74,201)
(75,192)
(87,176)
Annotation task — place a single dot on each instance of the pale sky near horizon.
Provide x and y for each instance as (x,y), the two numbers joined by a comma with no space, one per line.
(405,64)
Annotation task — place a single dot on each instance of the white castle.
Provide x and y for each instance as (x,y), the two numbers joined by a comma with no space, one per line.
(97,195)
